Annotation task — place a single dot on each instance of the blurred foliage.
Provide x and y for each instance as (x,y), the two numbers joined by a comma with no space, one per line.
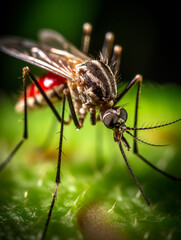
(97,197)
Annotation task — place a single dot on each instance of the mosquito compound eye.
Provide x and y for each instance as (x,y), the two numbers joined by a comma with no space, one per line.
(123,114)
(110,119)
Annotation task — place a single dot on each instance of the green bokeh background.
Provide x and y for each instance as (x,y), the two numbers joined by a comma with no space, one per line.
(97,194)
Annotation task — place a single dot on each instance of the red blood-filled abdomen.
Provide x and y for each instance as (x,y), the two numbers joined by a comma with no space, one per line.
(52,85)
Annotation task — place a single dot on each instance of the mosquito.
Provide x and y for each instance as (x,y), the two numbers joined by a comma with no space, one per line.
(89,85)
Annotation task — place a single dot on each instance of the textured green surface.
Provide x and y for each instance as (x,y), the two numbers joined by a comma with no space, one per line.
(97,195)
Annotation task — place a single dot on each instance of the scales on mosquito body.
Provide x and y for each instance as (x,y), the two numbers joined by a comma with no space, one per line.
(87,84)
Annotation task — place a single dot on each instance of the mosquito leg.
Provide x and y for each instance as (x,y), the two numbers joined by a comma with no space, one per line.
(72,109)
(92,115)
(25,132)
(77,122)
(26,70)
(57,179)
(87,29)
(107,47)
(137,78)
(134,177)
(136,112)
(135,148)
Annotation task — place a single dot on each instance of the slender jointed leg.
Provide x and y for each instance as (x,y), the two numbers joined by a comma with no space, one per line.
(134,177)
(57,180)
(92,115)
(72,109)
(135,136)
(136,111)
(25,132)
(26,70)
(137,78)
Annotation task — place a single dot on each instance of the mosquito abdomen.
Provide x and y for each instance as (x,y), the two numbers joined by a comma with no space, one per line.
(52,85)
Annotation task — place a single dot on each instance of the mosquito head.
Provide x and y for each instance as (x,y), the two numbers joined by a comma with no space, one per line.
(115,118)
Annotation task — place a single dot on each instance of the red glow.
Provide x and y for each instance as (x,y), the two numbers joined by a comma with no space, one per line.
(47,82)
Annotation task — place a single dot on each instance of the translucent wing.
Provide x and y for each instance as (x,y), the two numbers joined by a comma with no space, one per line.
(55,39)
(54,60)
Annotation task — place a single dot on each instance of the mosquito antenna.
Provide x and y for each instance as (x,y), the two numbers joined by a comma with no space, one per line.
(158,126)
(132,173)
(150,144)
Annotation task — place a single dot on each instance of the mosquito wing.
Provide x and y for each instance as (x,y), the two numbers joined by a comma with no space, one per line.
(55,39)
(54,60)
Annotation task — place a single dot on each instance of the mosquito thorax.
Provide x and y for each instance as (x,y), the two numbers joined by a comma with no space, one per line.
(114,117)
(98,81)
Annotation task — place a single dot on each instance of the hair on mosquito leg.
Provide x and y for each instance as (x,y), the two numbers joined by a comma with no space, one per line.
(150,144)
(135,138)
(57,179)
